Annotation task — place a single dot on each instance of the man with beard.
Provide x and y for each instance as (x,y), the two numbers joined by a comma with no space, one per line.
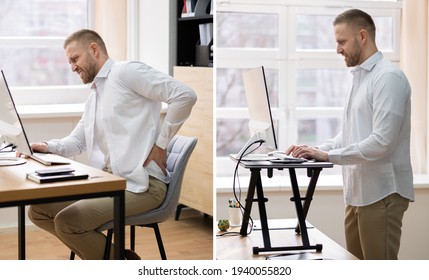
(120,131)
(374,144)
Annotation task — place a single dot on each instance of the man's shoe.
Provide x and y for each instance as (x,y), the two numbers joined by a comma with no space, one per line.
(131,255)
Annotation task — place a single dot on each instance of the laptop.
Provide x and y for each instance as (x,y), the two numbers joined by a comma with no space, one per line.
(12,130)
(48,159)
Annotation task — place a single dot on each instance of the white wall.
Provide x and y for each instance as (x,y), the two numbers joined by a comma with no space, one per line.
(157,29)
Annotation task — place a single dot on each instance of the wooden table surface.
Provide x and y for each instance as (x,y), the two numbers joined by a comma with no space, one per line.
(15,187)
(232,246)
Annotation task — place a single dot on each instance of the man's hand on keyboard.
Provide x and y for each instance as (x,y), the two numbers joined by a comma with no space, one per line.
(39,147)
(35,147)
(305,151)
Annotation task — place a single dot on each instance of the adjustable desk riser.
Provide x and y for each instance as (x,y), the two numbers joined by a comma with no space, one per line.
(255,167)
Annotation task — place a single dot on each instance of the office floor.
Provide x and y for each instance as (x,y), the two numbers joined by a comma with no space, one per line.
(189,238)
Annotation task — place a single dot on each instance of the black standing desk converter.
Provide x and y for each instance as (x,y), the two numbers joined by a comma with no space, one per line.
(302,204)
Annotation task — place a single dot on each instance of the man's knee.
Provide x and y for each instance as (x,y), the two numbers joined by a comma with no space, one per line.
(35,214)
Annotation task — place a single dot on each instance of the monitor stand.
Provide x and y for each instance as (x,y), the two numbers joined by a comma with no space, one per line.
(246,148)
(9,161)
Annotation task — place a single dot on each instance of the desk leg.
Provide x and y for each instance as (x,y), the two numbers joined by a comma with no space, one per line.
(21,232)
(298,206)
(262,214)
(256,182)
(309,194)
(254,177)
(119,225)
(302,211)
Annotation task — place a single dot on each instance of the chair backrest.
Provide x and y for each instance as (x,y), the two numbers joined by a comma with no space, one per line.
(179,151)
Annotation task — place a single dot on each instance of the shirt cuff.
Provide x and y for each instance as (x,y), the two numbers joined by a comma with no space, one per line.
(162,142)
(51,147)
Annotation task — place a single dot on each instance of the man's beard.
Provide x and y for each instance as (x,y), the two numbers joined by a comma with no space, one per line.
(89,72)
(352,59)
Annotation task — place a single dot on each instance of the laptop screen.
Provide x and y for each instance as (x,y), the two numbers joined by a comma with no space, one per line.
(11,128)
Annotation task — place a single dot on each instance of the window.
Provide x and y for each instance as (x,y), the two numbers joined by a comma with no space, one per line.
(32,33)
(307,80)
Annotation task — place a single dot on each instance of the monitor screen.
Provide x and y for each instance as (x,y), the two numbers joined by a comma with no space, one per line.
(261,125)
(11,131)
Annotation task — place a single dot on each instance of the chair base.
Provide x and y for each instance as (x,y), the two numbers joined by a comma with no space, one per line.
(109,238)
(179,210)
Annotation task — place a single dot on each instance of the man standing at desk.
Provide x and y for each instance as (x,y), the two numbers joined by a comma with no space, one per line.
(374,145)
(120,131)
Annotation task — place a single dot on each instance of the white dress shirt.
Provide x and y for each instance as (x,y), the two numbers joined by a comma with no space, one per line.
(121,121)
(374,145)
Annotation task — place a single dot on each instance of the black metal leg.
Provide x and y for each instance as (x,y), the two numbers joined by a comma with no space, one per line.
(159,241)
(133,237)
(262,214)
(21,232)
(179,210)
(255,174)
(119,225)
(298,206)
(108,244)
(301,210)
(314,174)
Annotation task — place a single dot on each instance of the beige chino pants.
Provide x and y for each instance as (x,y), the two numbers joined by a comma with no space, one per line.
(75,222)
(373,232)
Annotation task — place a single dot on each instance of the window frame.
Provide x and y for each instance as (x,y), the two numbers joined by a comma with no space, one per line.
(38,95)
(287,60)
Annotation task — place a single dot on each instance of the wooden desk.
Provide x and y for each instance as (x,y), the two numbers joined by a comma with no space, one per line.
(16,190)
(237,247)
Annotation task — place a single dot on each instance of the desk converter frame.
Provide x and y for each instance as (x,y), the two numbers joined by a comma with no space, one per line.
(313,171)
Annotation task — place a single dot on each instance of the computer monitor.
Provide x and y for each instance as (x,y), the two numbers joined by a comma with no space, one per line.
(11,131)
(261,125)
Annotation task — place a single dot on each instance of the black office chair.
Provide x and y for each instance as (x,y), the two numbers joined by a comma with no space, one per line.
(179,151)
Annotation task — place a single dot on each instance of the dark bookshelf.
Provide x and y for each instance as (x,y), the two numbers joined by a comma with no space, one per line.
(188,38)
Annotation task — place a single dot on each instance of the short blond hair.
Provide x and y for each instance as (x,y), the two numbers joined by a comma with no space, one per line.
(357,19)
(86,37)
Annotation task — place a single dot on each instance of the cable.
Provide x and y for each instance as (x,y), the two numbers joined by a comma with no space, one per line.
(238,198)
(228,233)
(10,145)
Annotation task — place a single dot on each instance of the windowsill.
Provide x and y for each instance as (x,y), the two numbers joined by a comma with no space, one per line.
(282,183)
(57,110)
(50,111)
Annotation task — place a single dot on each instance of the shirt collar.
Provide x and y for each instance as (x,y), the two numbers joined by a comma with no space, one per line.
(104,71)
(370,62)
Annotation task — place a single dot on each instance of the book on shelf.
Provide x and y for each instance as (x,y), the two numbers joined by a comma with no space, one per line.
(188,8)
(36,177)
(192,8)
(206,33)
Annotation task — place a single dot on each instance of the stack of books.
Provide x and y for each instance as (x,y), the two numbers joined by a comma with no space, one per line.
(50,175)
(192,8)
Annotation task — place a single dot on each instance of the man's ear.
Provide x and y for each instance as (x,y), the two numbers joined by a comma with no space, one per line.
(363,36)
(94,49)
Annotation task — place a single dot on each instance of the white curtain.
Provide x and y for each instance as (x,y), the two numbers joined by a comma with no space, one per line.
(111,23)
(414,62)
